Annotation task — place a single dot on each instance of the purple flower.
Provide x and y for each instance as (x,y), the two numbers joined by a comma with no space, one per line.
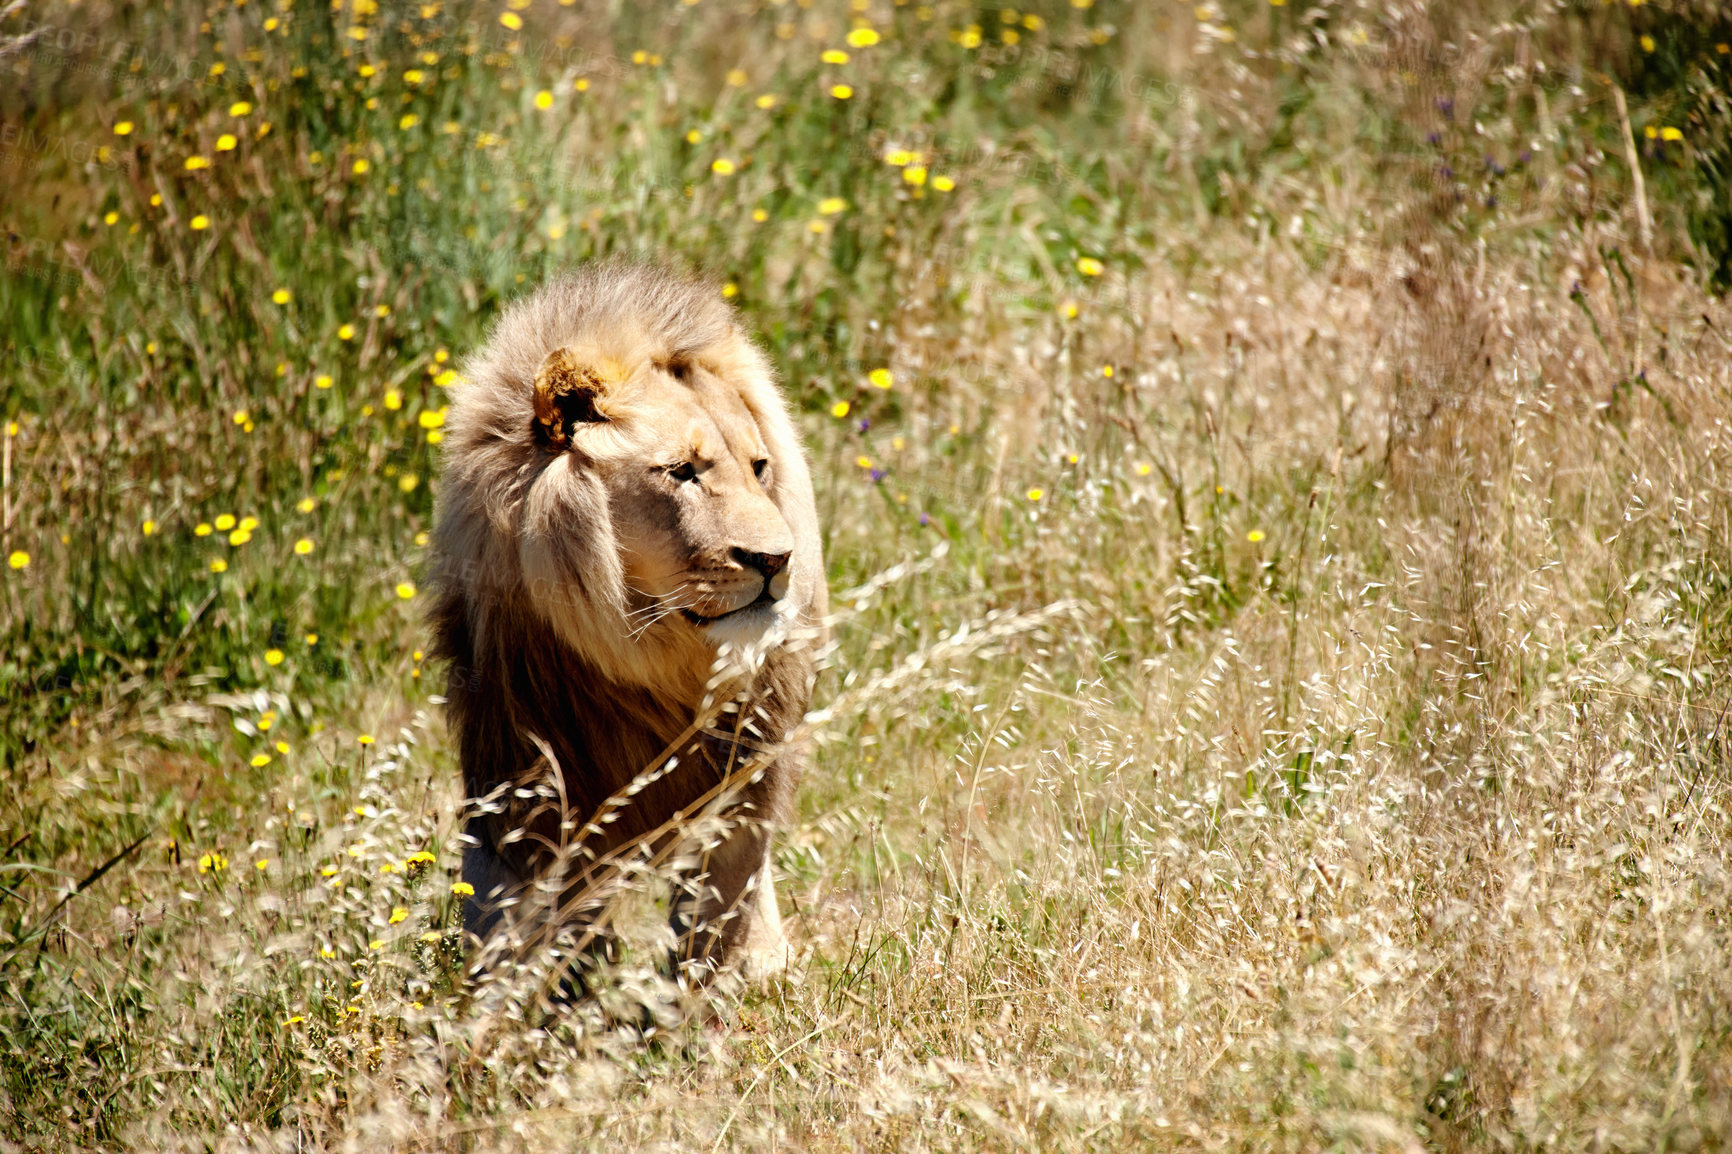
(925,520)
(877,475)
(865,424)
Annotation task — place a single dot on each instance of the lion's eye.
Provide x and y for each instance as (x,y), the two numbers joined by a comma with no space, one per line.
(758,468)
(684,471)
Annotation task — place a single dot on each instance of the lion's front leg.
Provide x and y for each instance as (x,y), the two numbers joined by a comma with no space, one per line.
(724,910)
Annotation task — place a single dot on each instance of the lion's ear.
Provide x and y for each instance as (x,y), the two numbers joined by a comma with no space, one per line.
(566,392)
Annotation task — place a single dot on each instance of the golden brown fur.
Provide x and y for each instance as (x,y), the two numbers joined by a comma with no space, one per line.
(603,539)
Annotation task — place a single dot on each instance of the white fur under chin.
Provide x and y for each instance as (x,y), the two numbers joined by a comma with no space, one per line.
(745,637)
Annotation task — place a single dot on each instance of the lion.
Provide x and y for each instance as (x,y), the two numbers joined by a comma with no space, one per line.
(628,595)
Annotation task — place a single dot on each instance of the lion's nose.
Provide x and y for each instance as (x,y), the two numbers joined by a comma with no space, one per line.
(769,564)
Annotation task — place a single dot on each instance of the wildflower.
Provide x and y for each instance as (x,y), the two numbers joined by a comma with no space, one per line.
(511,20)
(398,914)
(148,527)
(463,889)
(421,537)
(240,108)
(581,84)
(312,639)
(110,217)
(722,166)
(1106,370)
(194,163)
(262,864)
(831,205)
(1143,468)
(409,120)
(240,536)
(405,589)
(360,167)
(1069,309)
(1254,536)
(365,739)
(841,91)
(1036,494)
(1089,266)
(407,482)
(18,559)
(200,222)
(943,183)
(226,142)
(839,409)
(328,871)
(225,522)
(281,297)
(297,1018)
(374,945)
(544,100)
(1647,44)
(345,332)
(212,862)
(322,381)
(970,37)
(260,760)
(1669,133)
(123,128)
(862,38)
(282,747)
(881,378)
(863,462)
(834,56)
(273,657)
(446,379)
(759,215)
(765,101)
(202,529)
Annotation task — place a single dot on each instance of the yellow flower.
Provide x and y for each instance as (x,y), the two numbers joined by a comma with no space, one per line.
(226,142)
(863,461)
(375,945)
(766,101)
(430,418)
(841,91)
(1089,266)
(736,78)
(260,760)
(393,399)
(200,222)
(722,166)
(365,739)
(408,121)
(943,183)
(862,38)
(110,217)
(581,84)
(407,482)
(414,76)
(345,332)
(240,536)
(1036,494)
(831,205)
(462,889)
(914,174)
(1254,536)
(446,379)
(1143,468)
(202,529)
(405,589)
(1106,370)
(398,914)
(273,657)
(730,290)
(360,167)
(322,381)
(881,378)
(839,409)
(1671,134)
(240,108)
(898,157)
(262,864)
(834,56)
(18,559)
(511,20)
(212,863)
(225,522)
(759,215)
(149,527)
(544,100)
(281,297)
(219,566)
(194,163)
(1647,44)
(123,128)
(312,639)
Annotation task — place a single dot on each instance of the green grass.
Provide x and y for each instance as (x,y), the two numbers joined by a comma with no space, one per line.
(1300,724)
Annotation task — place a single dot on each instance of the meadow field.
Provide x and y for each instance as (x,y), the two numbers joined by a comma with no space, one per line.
(1276,476)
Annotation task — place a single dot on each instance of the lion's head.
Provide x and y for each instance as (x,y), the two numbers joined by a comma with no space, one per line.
(620,461)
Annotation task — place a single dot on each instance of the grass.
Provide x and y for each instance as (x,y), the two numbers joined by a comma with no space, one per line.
(1283,593)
